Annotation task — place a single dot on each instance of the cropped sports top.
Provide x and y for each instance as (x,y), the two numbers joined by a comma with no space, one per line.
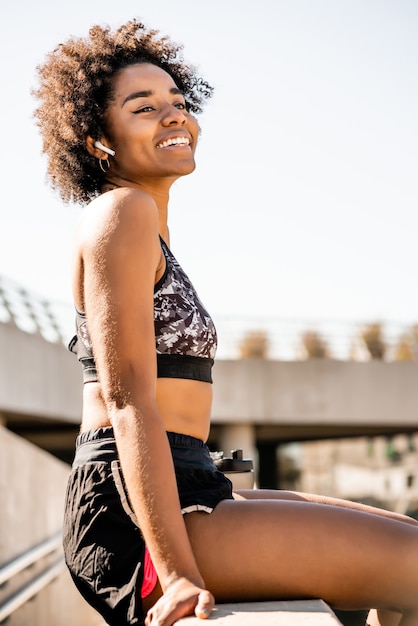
(185,336)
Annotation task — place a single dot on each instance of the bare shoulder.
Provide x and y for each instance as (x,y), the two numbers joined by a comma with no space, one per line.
(116,216)
(117,246)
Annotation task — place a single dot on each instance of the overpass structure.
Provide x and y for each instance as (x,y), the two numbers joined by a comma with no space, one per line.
(257,402)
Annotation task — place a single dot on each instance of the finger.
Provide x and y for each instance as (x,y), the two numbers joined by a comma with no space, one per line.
(204,605)
(148,618)
(166,614)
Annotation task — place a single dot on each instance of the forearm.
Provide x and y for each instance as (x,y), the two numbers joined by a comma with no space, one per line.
(150,479)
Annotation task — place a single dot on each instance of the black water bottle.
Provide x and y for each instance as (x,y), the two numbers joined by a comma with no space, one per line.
(240,471)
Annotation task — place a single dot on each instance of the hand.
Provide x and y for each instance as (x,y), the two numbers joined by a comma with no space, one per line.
(181,598)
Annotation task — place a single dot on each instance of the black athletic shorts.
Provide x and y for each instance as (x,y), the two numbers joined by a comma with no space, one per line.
(103,545)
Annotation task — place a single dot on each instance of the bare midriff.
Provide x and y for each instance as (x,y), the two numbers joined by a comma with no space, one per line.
(184,406)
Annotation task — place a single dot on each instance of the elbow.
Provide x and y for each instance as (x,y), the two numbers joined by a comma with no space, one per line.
(128,398)
(117,390)
(118,402)
(126,387)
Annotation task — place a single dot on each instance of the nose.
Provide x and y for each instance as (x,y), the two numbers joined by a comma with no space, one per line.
(173,116)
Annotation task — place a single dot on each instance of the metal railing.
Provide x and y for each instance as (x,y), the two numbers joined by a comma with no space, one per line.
(284,336)
(23,561)
(55,322)
(34,314)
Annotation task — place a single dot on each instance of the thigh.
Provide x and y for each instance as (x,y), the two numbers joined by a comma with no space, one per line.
(264,549)
(278,494)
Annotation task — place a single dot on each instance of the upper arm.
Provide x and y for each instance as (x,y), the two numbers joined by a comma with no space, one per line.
(121,253)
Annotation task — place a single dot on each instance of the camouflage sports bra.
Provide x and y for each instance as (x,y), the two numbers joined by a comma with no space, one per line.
(185,336)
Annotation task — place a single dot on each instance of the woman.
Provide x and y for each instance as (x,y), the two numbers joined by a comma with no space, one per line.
(116,115)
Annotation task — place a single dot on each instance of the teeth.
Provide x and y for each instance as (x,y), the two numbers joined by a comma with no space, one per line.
(174,141)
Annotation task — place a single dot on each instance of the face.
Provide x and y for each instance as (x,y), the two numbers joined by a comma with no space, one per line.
(149,128)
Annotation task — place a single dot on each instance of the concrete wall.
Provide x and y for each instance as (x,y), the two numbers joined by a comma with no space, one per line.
(38,378)
(316,392)
(32,489)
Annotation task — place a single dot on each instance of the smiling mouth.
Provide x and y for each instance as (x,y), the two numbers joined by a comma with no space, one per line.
(174,141)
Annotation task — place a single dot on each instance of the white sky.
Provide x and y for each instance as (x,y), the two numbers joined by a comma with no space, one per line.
(304,203)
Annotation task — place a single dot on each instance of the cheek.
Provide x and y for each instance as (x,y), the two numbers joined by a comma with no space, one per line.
(134,145)
(194,126)
(195,131)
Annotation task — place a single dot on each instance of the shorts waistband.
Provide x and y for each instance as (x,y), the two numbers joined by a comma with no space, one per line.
(95,446)
(97,434)
(176,439)
(99,445)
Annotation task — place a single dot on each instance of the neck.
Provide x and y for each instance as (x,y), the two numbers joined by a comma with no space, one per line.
(158,188)
(163,224)
(159,193)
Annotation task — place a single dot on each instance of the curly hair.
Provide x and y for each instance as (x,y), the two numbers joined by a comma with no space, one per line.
(76,87)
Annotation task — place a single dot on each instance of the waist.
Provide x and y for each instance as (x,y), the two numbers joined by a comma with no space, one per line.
(184,406)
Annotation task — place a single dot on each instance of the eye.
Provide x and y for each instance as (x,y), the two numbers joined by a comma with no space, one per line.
(180,105)
(145,109)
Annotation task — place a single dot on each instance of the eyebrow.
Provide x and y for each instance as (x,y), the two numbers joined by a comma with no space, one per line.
(148,93)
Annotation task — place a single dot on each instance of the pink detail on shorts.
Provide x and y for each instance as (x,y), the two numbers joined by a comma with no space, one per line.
(150,576)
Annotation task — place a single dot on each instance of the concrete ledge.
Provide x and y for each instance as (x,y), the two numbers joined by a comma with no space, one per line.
(283,613)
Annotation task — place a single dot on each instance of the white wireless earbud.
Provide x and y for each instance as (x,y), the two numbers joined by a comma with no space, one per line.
(98,144)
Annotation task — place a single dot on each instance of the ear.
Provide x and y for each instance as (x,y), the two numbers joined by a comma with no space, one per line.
(91,149)
(97,152)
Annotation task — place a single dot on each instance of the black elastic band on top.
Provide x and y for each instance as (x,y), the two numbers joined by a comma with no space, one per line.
(168,366)
(184,366)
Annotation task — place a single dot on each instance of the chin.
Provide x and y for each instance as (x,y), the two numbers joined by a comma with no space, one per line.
(185,169)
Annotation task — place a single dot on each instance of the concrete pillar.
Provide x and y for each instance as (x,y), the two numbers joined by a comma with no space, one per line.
(268,477)
(234,436)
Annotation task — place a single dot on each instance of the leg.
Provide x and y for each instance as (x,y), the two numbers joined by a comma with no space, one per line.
(375,618)
(270,549)
(273,494)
